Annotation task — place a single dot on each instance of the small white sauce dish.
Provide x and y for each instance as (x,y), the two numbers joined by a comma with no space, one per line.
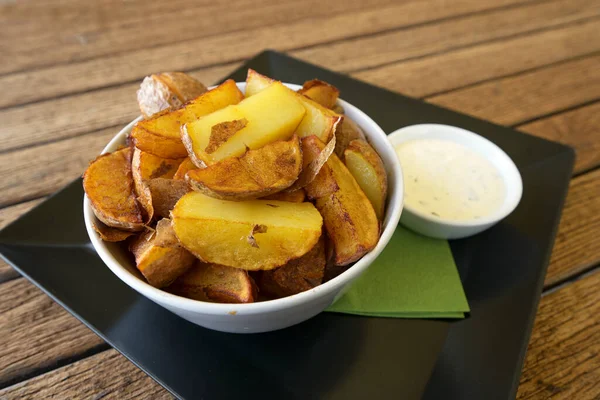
(432,225)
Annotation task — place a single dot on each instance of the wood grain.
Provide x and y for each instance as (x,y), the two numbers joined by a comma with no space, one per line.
(70,116)
(515,100)
(577,244)
(107,375)
(455,69)
(8,215)
(188,55)
(563,358)
(55,166)
(561,361)
(402,44)
(36,332)
(179,23)
(579,128)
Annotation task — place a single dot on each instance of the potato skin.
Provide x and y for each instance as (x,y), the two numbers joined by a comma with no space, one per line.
(257,173)
(320,92)
(168,90)
(296,276)
(108,183)
(109,234)
(346,132)
(185,166)
(161,134)
(215,283)
(297,196)
(159,256)
(348,215)
(366,166)
(145,167)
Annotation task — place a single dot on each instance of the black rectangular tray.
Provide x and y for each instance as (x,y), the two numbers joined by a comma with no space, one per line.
(330,356)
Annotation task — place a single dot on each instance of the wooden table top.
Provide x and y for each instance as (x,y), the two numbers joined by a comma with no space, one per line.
(68,75)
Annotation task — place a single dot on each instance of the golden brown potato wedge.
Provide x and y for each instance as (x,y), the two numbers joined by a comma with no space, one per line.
(272,115)
(168,90)
(252,235)
(257,173)
(296,276)
(297,196)
(159,256)
(165,193)
(318,120)
(109,234)
(349,217)
(215,283)
(161,134)
(184,167)
(346,132)
(109,186)
(366,166)
(146,166)
(321,92)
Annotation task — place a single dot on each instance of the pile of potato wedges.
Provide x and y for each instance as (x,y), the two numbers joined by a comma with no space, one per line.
(229,197)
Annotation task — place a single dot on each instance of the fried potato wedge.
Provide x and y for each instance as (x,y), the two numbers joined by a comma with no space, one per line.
(257,173)
(366,167)
(159,256)
(109,234)
(349,217)
(297,196)
(296,276)
(168,90)
(165,193)
(109,186)
(185,166)
(272,115)
(146,166)
(321,92)
(160,135)
(252,235)
(346,132)
(215,283)
(318,120)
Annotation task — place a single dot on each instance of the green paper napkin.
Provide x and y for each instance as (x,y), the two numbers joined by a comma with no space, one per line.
(414,277)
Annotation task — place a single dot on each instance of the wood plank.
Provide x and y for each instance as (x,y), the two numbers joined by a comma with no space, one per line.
(63,79)
(178,24)
(579,128)
(37,333)
(562,360)
(8,215)
(55,165)
(577,245)
(515,100)
(402,44)
(38,122)
(455,69)
(107,375)
(50,18)
(74,115)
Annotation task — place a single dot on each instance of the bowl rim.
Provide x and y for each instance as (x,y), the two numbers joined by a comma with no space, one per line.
(391,219)
(512,176)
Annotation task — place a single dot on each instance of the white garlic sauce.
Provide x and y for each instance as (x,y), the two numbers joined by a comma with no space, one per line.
(447,180)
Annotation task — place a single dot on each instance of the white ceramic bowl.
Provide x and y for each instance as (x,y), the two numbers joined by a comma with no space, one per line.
(450,229)
(268,315)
